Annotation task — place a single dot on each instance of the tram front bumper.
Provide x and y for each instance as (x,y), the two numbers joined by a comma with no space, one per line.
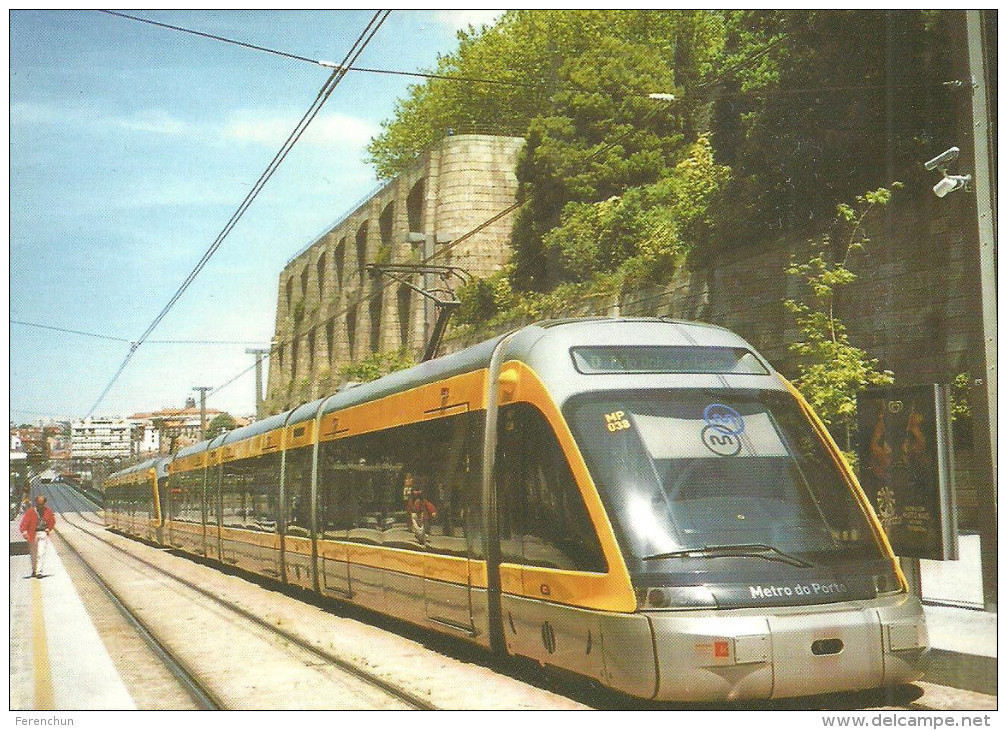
(788,652)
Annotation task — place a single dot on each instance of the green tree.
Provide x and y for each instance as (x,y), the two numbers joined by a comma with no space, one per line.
(645,233)
(832,370)
(502,77)
(813,106)
(592,146)
(219,424)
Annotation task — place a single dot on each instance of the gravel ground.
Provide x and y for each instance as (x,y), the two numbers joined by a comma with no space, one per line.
(259,675)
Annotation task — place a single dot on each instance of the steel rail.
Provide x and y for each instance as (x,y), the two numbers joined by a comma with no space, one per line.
(399,693)
(201,694)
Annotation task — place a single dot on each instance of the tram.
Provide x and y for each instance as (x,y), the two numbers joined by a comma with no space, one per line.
(645,502)
(133,497)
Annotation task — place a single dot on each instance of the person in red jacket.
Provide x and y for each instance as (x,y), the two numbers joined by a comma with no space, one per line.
(36,525)
(421,512)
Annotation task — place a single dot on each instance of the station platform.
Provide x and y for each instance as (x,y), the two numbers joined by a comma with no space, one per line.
(58,661)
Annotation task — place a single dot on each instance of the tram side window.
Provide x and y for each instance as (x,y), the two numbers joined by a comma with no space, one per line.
(335,476)
(298,492)
(250,493)
(370,473)
(145,498)
(447,470)
(543,518)
(409,487)
(264,492)
(234,479)
(128,500)
(139,497)
(190,496)
(113,499)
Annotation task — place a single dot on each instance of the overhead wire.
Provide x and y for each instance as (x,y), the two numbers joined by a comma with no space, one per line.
(356,69)
(211,36)
(378,290)
(323,95)
(84,333)
(739,66)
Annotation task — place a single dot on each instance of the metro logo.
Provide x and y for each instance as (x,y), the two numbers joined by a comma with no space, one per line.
(721,649)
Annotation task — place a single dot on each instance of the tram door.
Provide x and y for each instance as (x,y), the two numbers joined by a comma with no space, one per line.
(297,537)
(441,516)
(213,509)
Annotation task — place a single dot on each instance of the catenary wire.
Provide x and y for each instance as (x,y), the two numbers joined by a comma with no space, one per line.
(210,36)
(124,339)
(378,290)
(330,84)
(328,64)
(703,85)
(742,64)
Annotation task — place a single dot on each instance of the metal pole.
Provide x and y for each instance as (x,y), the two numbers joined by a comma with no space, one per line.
(202,409)
(986,223)
(428,284)
(258,352)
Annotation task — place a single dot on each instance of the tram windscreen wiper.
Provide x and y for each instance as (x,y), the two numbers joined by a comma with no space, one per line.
(749,550)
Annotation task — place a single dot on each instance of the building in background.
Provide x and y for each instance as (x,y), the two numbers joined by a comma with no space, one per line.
(146,436)
(100,438)
(169,429)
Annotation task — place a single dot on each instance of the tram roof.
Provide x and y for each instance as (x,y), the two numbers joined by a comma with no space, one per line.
(258,427)
(159,463)
(536,344)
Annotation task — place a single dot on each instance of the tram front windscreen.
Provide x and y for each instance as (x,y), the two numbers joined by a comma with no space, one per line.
(731,490)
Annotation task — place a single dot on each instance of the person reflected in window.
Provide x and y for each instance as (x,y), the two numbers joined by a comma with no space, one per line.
(421,510)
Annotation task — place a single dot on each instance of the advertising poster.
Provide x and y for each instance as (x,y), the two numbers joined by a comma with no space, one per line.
(900,467)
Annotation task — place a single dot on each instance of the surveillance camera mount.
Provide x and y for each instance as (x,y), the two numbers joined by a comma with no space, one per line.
(950,183)
(942,160)
(947,183)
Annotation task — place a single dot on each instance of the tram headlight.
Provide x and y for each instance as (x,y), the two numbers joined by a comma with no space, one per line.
(675,597)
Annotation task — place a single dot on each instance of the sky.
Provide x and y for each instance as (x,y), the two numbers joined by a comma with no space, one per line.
(131,146)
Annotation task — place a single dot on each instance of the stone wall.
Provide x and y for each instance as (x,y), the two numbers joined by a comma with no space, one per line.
(331,311)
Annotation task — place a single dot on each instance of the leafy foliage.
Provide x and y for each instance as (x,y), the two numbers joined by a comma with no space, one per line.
(832,369)
(376,365)
(816,105)
(219,424)
(961,409)
(512,70)
(599,248)
(644,233)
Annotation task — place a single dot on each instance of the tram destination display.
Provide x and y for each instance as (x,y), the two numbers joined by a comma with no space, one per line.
(905,468)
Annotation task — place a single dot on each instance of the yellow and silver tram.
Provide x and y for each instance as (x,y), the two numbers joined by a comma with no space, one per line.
(644,502)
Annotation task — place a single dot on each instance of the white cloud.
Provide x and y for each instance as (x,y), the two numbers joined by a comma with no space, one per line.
(460,19)
(272,129)
(23,112)
(156,122)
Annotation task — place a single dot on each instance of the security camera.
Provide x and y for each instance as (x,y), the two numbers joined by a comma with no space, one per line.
(941,161)
(950,183)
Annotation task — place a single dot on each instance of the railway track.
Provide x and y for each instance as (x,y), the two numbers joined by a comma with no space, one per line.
(280,657)
(580,693)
